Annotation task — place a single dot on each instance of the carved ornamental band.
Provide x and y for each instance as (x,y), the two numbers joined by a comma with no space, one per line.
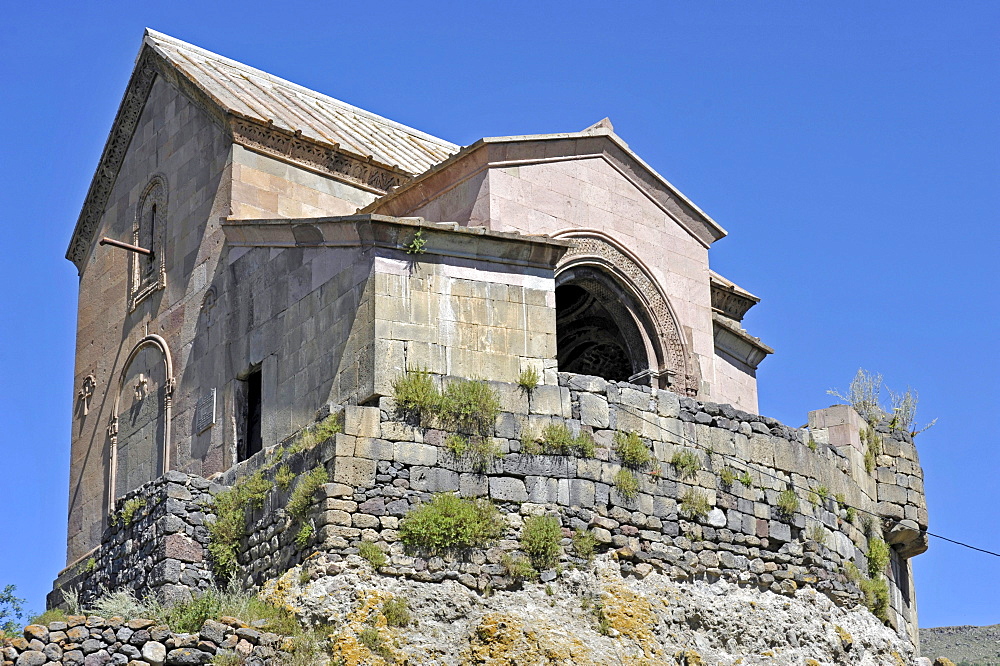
(273,141)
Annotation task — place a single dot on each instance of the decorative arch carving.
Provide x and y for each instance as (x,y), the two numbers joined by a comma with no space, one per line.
(674,366)
(148,274)
(139,392)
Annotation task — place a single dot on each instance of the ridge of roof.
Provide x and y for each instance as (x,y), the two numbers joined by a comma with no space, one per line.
(253,93)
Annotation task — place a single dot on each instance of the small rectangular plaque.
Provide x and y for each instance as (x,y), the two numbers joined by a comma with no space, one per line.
(204,413)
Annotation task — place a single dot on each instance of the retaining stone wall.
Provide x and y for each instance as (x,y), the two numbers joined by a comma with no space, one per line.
(95,641)
(155,543)
(382,466)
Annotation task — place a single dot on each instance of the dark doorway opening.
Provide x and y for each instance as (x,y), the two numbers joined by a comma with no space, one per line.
(251,440)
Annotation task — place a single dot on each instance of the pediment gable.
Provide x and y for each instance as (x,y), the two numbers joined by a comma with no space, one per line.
(598,141)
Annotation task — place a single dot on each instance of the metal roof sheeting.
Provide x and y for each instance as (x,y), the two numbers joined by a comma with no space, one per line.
(257,95)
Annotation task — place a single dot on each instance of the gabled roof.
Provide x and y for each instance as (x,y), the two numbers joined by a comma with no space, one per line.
(598,140)
(267,114)
(257,95)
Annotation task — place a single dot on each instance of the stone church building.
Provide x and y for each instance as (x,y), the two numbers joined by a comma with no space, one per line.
(251,252)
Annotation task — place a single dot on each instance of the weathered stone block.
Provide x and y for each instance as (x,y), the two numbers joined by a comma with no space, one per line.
(473,485)
(509,490)
(394,431)
(361,421)
(411,453)
(588,383)
(344,445)
(779,530)
(542,490)
(892,493)
(548,401)
(375,449)
(668,404)
(524,465)
(183,548)
(355,472)
(594,411)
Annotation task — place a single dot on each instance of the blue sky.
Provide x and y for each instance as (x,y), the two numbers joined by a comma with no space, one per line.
(851,149)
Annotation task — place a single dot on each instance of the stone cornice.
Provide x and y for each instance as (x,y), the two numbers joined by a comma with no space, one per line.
(737,343)
(385,232)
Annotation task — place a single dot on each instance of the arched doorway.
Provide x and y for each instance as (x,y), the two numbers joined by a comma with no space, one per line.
(614,321)
(140,428)
(595,335)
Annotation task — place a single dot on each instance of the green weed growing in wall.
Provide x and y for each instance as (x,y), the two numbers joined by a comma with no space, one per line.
(686,463)
(727,476)
(631,450)
(529,379)
(694,504)
(787,503)
(626,484)
(373,554)
(416,395)
(480,451)
(416,246)
(540,539)
(470,406)
(449,523)
(129,509)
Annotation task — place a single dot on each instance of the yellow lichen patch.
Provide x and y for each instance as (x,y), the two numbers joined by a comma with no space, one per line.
(632,616)
(276,591)
(845,637)
(688,658)
(812,662)
(349,646)
(501,639)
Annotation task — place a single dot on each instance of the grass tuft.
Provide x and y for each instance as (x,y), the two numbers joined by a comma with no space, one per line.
(686,463)
(627,484)
(373,554)
(529,379)
(788,503)
(694,504)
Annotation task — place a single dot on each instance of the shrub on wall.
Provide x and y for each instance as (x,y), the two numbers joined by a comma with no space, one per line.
(686,463)
(471,406)
(450,523)
(788,503)
(626,484)
(415,394)
(558,440)
(230,524)
(301,502)
(540,539)
(481,451)
(694,504)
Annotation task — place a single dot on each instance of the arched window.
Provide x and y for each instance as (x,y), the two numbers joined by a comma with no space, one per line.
(146,272)
(613,321)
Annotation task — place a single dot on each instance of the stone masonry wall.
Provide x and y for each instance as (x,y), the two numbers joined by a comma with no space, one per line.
(155,543)
(96,641)
(382,467)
